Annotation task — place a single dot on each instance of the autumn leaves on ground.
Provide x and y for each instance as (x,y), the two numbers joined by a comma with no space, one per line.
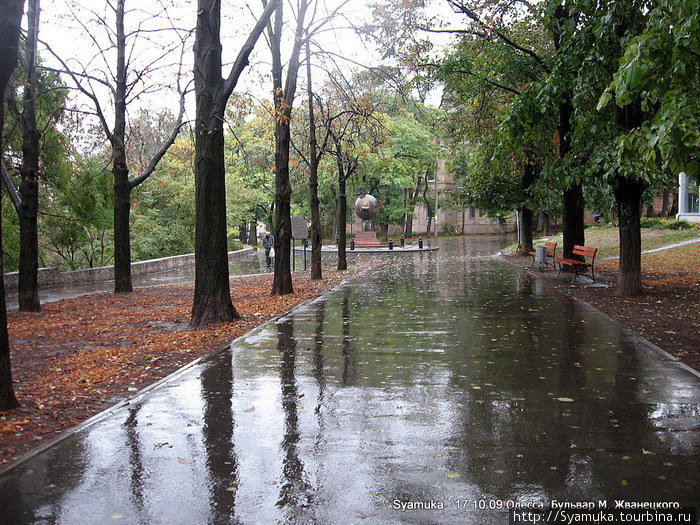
(80,356)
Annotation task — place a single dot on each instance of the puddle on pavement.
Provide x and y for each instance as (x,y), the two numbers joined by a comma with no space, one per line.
(450,377)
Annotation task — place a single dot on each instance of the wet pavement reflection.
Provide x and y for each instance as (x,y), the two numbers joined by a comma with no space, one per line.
(448,377)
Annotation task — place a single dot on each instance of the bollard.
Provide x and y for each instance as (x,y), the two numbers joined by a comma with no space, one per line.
(352,244)
(391,245)
(337,239)
(420,243)
(403,241)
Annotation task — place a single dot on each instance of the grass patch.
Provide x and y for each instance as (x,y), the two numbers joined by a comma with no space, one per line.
(607,240)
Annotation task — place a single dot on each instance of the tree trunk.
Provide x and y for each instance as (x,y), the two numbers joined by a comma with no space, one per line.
(408,230)
(243,231)
(28,287)
(212,293)
(282,282)
(530,175)
(342,212)
(664,202)
(28,290)
(573,202)
(120,170)
(628,193)
(525,218)
(253,233)
(10,26)
(122,237)
(315,203)
(573,227)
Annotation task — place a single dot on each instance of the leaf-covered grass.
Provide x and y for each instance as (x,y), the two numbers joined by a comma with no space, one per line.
(606,239)
(80,356)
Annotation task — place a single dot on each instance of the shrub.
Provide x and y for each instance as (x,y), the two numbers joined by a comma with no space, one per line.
(448,230)
(665,224)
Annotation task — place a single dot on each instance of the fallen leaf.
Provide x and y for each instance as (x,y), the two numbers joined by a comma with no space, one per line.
(184,461)
(249,410)
(452,475)
(564,399)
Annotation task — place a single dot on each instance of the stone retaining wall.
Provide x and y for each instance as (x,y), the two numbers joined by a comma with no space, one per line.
(54,276)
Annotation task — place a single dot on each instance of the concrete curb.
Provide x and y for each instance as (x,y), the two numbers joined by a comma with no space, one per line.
(637,337)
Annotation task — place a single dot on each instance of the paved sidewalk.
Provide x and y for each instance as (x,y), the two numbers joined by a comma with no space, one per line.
(449,381)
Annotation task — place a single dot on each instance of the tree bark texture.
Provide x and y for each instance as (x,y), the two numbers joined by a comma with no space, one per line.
(572,218)
(282,281)
(342,210)
(314,201)
(525,216)
(573,202)
(28,288)
(530,175)
(10,26)
(284,98)
(212,293)
(120,170)
(628,194)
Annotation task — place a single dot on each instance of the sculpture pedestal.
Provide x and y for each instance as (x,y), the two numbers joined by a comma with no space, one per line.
(367,240)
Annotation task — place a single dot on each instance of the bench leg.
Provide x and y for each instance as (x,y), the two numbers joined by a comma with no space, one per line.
(575,274)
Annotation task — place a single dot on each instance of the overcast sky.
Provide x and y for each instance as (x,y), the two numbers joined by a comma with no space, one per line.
(64,24)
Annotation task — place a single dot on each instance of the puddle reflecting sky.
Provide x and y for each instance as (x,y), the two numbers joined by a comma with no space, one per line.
(445,377)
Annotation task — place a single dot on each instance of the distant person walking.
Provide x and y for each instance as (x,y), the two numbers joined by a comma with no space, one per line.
(268,243)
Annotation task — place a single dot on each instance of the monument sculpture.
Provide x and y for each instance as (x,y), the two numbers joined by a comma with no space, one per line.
(366,208)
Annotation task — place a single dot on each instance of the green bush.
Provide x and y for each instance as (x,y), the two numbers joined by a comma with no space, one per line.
(658,223)
(448,230)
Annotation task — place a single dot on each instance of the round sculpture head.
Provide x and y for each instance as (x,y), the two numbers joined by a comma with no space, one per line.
(366,206)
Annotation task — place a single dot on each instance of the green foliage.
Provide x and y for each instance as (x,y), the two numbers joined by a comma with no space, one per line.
(660,67)
(163,214)
(397,170)
(657,223)
(76,229)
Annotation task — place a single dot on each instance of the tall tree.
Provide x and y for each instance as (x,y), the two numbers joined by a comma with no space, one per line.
(283,93)
(656,89)
(26,200)
(212,294)
(10,27)
(314,160)
(123,80)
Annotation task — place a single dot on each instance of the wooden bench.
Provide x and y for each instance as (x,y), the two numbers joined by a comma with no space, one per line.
(551,253)
(580,267)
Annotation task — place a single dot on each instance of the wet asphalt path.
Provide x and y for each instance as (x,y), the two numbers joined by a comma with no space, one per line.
(450,379)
